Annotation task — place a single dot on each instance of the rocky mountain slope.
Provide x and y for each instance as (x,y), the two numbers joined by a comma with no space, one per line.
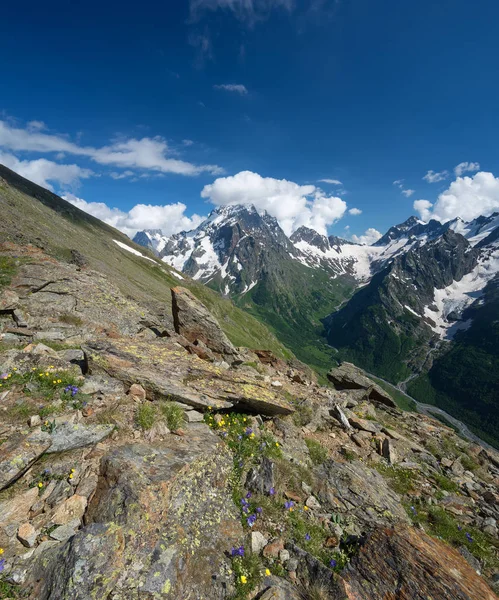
(433,301)
(143,457)
(33,215)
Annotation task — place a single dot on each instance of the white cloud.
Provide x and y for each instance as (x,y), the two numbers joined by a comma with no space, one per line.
(170,218)
(42,171)
(237,88)
(400,184)
(122,175)
(331,181)
(293,205)
(145,153)
(432,177)
(370,236)
(466,197)
(408,193)
(244,10)
(36,125)
(466,166)
(355,211)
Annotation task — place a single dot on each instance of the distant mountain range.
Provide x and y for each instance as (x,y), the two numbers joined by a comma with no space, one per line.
(399,308)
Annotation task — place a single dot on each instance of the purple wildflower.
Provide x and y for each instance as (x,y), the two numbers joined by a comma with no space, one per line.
(469,538)
(237,551)
(333,563)
(239,437)
(4,376)
(459,527)
(251,520)
(307,537)
(248,431)
(259,510)
(271,491)
(248,495)
(288,505)
(2,564)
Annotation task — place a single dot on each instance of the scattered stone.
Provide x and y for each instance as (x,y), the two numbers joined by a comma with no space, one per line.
(260,479)
(34,421)
(350,377)
(312,503)
(258,542)
(193,416)
(276,384)
(137,391)
(26,534)
(64,532)
(72,508)
(339,415)
(446,462)
(364,424)
(273,549)
(15,511)
(292,564)
(284,556)
(388,451)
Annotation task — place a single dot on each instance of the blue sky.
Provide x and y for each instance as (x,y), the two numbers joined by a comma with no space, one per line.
(366,93)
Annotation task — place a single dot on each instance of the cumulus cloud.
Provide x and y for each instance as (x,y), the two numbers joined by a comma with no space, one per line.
(236,88)
(465,167)
(368,238)
(145,153)
(244,10)
(170,218)
(408,193)
(46,172)
(466,197)
(331,181)
(293,205)
(432,177)
(355,211)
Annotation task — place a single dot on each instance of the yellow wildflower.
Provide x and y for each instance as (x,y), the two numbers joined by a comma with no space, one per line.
(71,476)
(33,368)
(244,579)
(54,381)
(277,444)
(59,381)
(40,485)
(46,374)
(267,572)
(72,470)
(305,508)
(1,551)
(14,369)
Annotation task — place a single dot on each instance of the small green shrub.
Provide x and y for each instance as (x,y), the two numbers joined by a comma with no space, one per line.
(446,484)
(146,415)
(303,415)
(71,319)
(173,415)
(318,453)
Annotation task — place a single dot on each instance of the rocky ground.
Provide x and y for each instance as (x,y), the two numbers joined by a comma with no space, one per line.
(143,456)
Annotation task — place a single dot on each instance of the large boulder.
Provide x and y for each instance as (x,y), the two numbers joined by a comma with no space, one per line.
(349,377)
(353,489)
(408,564)
(193,320)
(169,373)
(161,525)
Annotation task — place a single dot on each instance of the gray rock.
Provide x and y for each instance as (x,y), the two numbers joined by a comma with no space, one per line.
(193,320)
(193,416)
(284,556)
(389,452)
(339,415)
(64,532)
(53,336)
(34,421)
(19,452)
(26,534)
(260,479)
(258,542)
(71,436)
(349,377)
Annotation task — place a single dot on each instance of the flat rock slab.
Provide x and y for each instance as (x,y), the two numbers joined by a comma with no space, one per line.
(162,521)
(406,563)
(18,453)
(349,377)
(357,490)
(168,373)
(69,436)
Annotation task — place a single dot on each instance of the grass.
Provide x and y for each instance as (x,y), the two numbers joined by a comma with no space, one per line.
(289,476)
(8,268)
(7,590)
(318,453)
(446,484)
(303,415)
(172,414)
(399,479)
(146,416)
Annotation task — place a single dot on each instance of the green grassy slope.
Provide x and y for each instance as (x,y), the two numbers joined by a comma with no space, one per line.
(31,214)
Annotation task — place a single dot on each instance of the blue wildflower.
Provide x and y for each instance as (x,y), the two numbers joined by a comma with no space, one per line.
(248,495)
(288,505)
(2,564)
(248,431)
(271,491)
(259,510)
(469,538)
(307,537)
(251,520)
(237,551)
(239,437)
(333,563)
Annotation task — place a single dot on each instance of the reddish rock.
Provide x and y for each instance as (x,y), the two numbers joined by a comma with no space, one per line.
(272,550)
(137,391)
(407,564)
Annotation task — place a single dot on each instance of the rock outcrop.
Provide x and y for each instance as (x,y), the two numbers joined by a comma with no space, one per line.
(350,377)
